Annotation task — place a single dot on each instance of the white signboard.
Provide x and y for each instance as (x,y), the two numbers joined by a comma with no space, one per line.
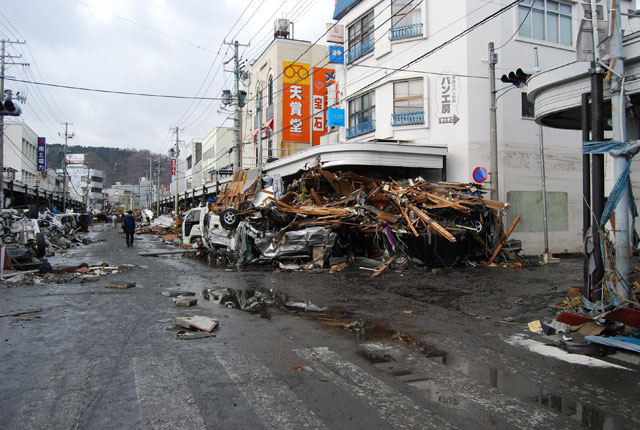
(335,34)
(447,98)
(75,158)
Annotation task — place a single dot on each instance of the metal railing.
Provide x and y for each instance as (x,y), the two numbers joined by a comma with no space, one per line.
(407,118)
(360,50)
(405,31)
(362,128)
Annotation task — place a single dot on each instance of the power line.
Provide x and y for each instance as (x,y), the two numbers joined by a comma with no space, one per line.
(99,90)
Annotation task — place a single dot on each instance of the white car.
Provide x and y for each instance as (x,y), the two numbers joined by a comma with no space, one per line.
(201,224)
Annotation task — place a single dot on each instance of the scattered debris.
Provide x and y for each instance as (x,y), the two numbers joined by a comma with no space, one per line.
(198,322)
(121,285)
(176,293)
(185,302)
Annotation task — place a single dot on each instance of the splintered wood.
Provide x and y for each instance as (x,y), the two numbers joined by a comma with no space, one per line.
(324,198)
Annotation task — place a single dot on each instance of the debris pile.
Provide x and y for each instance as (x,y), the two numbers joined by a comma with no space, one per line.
(67,274)
(333,217)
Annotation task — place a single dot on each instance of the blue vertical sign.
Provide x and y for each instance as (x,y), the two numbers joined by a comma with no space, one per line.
(42,154)
(336,54)
(335,117)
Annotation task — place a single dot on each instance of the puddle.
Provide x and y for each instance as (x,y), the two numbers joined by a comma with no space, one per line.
(519,386)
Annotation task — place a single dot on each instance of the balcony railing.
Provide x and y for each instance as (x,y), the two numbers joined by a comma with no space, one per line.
(407,118)
(360,50)
(362,128)
(405,31)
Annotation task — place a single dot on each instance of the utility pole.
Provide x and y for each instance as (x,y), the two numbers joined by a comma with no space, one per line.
(67,136)
(618,120)
(158,187)
(3,64)
(543,177)
(238,101)
(493,124)
(176,154)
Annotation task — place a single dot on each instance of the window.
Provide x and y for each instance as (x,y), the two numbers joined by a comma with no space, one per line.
(270,89)
(408,102)
(189,159)
(406,20)
(362,112)
(361,37)
(527,107)
(546,20)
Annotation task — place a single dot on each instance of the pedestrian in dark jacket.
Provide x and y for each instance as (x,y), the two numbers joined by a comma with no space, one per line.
(129,226)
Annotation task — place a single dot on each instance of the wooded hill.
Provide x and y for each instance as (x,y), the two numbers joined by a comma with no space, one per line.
(119,165)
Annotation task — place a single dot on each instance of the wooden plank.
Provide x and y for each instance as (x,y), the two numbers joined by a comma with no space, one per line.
(433,225)
(504,239)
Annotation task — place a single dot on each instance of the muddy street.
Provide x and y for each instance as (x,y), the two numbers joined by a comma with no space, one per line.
(422,348)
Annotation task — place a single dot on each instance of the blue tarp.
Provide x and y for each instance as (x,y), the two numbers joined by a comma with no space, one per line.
(342,7)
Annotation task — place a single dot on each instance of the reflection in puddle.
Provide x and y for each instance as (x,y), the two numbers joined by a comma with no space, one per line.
(524,388)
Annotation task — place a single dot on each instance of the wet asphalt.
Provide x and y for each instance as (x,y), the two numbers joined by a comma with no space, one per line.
(109,358)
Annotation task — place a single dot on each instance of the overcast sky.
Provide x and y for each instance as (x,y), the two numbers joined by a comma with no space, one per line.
(143,46)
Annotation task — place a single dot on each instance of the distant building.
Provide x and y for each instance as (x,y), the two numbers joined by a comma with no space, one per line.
(287,97)
(133,196)
(20,152)
(217,158)
(85,184)
(193,158)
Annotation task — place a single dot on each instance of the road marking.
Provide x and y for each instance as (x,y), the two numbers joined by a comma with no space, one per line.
(163,395)
(56,400)
(274,403)
(392,406)
(554,351)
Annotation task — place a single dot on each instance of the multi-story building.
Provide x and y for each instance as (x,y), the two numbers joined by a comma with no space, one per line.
(193,159)
(133,196)
(417,73)
(287,98)
(20,152)
(85,184)
(217,157)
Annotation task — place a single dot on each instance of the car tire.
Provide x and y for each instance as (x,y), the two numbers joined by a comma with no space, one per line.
(229,219)
(230,302)
(41,245)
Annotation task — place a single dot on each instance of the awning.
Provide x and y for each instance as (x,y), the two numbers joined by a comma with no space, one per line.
(268,124)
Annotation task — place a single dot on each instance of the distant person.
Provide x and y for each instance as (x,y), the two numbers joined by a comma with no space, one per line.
(129,227)
(114,218)
(148,215)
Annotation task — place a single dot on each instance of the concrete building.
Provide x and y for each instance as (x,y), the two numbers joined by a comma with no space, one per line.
(410,79)
(217,158)
(193,159)
(133,196)
(20,152)
(286,98)
(85,184)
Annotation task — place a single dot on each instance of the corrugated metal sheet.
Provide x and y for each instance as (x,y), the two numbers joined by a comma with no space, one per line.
(342,7)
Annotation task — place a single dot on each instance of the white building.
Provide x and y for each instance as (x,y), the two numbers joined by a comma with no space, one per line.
(217,156)
(20,152)
(193,158)
(85,184)
(409,79)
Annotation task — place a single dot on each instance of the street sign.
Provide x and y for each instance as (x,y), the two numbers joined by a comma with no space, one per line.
(480,174)
(174,165)
(336,54)
(335,117)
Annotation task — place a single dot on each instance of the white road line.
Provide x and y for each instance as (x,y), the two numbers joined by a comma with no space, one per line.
(163,395)
(56,398)
(392,406)
(555,352)
(274,403)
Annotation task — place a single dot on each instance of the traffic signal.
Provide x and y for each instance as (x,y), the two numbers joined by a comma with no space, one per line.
(520,77)
(242,97)
(10,108)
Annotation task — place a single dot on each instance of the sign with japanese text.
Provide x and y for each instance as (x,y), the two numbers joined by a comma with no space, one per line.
(335,117)
(322,80)
(174,166)
(75,158)
(335,33)
(296,102)
(42,154)
(447,97)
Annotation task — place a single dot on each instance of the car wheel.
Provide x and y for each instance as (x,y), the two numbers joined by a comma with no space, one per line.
(230,302)
(41,246)
(229,219)
(245,206)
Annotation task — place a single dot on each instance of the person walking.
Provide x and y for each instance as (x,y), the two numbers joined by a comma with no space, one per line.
(129,226)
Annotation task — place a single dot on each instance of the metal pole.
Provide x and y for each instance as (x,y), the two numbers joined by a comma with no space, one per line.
(177,153)
(238,109)
(493,124)
(586,190)
(597,184)
(543,176)
(2,129)
(619,127)
(64,168)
